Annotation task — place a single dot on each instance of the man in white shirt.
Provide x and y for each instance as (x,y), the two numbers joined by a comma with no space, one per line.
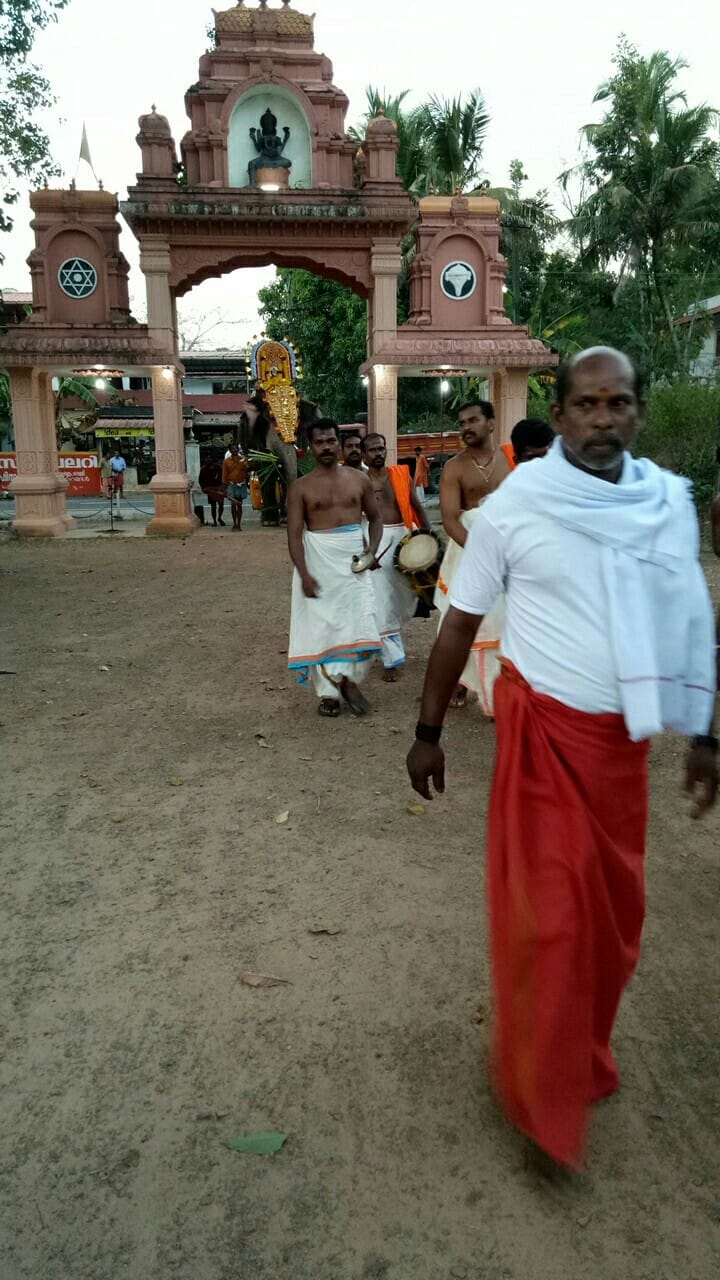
(608,639)
(118,467)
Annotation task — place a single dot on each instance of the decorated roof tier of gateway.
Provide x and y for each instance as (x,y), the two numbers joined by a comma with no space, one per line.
(264,23)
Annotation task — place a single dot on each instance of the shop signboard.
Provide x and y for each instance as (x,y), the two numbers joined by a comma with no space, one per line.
(80,469)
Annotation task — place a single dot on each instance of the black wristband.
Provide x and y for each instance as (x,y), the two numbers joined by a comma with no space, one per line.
(428,732)
(705,740)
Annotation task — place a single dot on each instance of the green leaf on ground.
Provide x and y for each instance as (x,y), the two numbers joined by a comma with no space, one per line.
(259,1144)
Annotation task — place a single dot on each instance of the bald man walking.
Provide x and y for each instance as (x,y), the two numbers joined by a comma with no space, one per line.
(606,546)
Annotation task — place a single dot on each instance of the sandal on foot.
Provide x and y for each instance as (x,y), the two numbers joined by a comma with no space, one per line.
(329,707)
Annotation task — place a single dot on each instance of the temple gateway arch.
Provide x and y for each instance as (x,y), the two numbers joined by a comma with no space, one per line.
(265,174)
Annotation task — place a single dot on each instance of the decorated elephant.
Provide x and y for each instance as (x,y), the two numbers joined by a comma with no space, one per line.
(259,434)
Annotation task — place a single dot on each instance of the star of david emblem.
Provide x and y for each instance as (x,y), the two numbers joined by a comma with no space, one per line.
(77,278)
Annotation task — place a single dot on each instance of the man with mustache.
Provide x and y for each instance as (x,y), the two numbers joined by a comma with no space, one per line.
(351,450)
(609,639)
(465,483)
(401,511)
(333,632)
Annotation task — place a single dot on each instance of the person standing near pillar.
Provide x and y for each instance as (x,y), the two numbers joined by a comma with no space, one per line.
(234,477)
(210,481)
(466,481)
(422,474)
(118,467)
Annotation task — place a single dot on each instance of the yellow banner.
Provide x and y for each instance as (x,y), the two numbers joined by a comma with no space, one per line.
(125,433)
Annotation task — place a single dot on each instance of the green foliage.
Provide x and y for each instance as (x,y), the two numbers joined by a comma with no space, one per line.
(652,184)
(440,142)
(641,249)
(681,432)
(24,93)
(528,224)
(5,402)
(328,324)
(20,21)
(79,389)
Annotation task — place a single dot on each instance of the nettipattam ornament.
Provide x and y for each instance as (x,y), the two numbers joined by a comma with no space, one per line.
(274,371)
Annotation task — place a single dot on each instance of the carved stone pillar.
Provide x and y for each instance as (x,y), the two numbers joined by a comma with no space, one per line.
(382,315)
(155,265)
(385,264)
(509,395)
(38,488)
(382,405)
(171,484)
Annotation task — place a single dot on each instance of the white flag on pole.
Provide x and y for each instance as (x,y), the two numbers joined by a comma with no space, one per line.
(85,151)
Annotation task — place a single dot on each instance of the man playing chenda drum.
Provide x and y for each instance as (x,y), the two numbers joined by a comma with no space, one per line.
(466,481)
(333,632)
(401,511)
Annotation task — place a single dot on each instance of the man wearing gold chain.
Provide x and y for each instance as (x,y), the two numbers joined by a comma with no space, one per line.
(466,481)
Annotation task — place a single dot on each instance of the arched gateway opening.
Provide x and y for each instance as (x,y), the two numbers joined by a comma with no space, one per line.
(267,175)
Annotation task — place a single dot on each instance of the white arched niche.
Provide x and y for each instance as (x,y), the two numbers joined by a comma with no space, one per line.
(246,116)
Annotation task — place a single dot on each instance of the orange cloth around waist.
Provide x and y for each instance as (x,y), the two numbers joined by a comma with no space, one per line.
(566,845)
(401,482)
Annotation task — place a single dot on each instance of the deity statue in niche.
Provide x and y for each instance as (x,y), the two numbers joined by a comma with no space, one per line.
(269,146)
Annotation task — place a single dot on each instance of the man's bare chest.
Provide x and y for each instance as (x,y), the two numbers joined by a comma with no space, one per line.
(478,480)
(385,494)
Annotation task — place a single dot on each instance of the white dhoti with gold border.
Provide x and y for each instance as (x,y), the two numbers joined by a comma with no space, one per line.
(335,634)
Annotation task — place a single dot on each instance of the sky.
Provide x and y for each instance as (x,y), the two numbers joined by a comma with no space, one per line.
(537,65)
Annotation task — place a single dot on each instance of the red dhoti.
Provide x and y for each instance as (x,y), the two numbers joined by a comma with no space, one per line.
(566,844)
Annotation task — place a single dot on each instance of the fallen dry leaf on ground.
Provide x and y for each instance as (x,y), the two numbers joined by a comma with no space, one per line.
(417,810)
(282,817)
(263,980)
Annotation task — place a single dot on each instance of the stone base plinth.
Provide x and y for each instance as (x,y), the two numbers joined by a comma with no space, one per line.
(272,178)
(34,526)
(174,516)
(40,507)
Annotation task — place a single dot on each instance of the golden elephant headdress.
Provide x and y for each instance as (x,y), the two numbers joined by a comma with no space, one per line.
(275,370)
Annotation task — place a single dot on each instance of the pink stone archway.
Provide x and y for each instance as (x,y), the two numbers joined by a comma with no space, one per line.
(191,225)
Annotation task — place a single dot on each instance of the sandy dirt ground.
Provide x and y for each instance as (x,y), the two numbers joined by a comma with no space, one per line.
(143,872)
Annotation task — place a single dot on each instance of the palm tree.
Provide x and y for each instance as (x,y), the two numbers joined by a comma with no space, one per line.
(440,142)
(79,389)
(453,132)
(524,220)
(656,176)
